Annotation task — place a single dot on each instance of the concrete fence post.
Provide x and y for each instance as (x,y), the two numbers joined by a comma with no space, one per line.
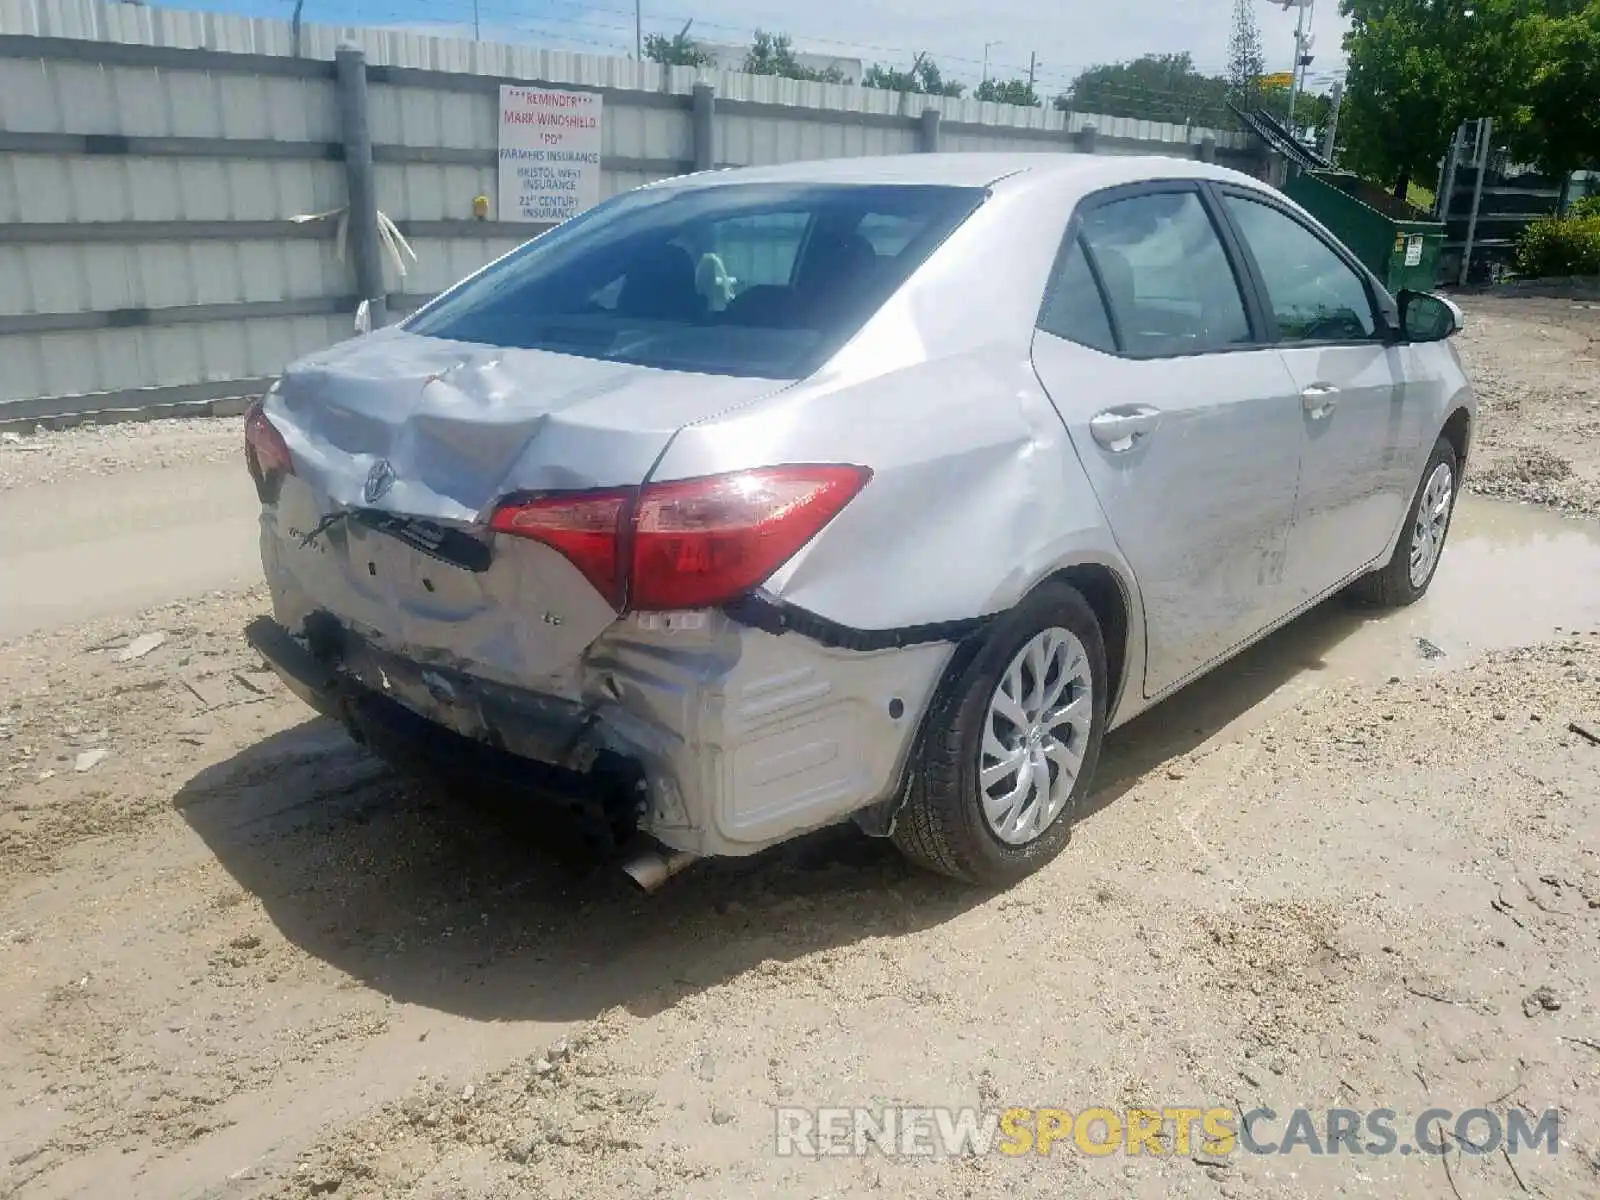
(1087,137)
(928,132)
(1206,151)
(366,251)
(705,127)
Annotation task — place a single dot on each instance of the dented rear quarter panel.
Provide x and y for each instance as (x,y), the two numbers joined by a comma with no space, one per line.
(976,495)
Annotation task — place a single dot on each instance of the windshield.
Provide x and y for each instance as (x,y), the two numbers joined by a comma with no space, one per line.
(762,280)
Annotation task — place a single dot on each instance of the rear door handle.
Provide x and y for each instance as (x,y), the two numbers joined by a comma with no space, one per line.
(1121,429)
(1319,400)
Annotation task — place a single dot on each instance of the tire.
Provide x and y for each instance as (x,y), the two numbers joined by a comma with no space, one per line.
(943,825)
(1393,586)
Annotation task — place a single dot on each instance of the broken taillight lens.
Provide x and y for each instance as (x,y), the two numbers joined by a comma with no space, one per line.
(266,454)
(586,527)
(703,542)
(693,543)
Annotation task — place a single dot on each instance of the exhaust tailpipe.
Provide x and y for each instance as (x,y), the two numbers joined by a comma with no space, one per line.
(654,867)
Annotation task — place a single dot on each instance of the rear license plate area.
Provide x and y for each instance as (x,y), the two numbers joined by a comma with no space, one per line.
(390,569)
(452,546)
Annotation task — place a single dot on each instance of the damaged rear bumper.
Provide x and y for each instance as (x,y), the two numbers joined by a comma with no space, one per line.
(553,760)
(717,740)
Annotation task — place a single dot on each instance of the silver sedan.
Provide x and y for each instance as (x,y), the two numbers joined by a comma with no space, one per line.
(756,501)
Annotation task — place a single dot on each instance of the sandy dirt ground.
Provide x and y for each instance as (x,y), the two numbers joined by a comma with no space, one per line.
(108,520)
(1359,867)
(1536,366)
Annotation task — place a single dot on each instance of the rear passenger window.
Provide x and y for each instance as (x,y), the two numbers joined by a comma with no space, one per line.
(1074,308)
(1166,276)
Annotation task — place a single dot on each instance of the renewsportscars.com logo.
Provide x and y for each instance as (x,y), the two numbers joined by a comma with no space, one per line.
(1180,1130)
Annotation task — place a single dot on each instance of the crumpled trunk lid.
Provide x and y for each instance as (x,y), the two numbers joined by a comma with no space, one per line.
(402,446)
(461,425)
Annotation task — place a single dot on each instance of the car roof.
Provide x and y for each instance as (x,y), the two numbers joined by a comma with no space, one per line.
(982,169)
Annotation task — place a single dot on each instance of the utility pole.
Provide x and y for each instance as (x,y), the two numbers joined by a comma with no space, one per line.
(476,32)
(1331,138)
(638,30)
(1033,64)
(1299,57)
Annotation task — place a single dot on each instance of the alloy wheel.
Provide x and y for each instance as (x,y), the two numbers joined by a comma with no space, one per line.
(1034,736)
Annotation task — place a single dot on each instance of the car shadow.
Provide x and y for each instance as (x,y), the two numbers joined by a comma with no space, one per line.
(463,904)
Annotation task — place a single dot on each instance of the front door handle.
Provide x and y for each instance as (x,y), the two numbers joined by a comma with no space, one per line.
(1121,429)
(1319,400)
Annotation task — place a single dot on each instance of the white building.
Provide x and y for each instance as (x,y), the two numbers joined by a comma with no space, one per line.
(730,57)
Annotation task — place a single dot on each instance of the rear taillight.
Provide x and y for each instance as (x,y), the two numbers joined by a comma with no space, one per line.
(703,542)
(586,527)
(694,543)
(266,454)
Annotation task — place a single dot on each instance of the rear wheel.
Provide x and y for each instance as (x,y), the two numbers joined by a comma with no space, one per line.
(1405,579)
(1011,746)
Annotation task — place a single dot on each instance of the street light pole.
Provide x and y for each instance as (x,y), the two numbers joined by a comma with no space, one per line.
(1299,54)
(638,31)
(986,47)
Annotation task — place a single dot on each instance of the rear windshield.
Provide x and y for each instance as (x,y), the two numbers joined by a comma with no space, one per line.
(763,280)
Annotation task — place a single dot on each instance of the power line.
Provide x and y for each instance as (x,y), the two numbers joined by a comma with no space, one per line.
(745,32)
(621,36)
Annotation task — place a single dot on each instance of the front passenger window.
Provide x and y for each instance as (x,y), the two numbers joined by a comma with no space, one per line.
(1315,296)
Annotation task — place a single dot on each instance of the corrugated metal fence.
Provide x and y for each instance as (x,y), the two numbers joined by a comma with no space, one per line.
(170,182)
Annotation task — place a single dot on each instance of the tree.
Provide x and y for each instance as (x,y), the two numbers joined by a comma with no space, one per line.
(1010,91)
(1418,68)
(924,78)
(1312,110)
(1247,62)
(680,50)
(773,54)
(1562,134)
(1155,87)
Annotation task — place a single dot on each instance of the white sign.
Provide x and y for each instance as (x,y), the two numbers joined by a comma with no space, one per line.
(1414,251)
(549,153)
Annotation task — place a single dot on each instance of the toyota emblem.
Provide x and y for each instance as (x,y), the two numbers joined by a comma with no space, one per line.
(379,480)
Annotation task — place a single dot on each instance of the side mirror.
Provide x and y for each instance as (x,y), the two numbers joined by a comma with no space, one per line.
(364,317)
(1425,317)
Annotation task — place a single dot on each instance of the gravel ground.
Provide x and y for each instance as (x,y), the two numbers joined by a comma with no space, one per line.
(240,959)
(60,456)
(1536,366)
(234,945)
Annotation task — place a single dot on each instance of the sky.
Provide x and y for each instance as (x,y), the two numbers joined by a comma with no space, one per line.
(1067,36)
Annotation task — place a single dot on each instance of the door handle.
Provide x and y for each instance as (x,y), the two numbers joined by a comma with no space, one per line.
(1120,429)
(1319,400)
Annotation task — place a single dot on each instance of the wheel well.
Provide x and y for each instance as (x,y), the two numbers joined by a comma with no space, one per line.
(1458,432)
(1103,590)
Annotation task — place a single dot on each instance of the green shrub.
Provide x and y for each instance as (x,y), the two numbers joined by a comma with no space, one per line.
(1553,247)
(1587,207)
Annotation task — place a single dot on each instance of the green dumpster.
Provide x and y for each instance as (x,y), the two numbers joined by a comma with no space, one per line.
(1398,242)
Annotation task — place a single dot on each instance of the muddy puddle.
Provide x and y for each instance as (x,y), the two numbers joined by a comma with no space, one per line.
(1512,575)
